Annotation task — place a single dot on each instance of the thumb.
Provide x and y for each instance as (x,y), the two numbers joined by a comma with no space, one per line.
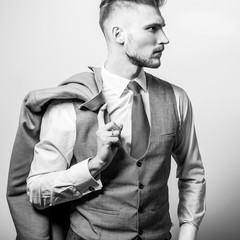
(101,114)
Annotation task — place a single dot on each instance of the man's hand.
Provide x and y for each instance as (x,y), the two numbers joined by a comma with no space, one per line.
(108,142)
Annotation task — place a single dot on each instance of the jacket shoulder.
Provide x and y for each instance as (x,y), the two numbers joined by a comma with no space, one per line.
(79,78)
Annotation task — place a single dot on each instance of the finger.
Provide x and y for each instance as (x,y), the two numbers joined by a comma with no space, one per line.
(113,141)
(113,133)
(111,125)
(100,115)
(120,127)
(106,136)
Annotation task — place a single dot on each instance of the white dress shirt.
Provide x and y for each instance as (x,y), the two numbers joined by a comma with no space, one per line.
(51,172)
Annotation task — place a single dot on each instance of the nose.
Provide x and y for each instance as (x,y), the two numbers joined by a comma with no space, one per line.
(162,38)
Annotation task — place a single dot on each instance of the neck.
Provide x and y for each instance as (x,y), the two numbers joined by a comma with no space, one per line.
(122,67)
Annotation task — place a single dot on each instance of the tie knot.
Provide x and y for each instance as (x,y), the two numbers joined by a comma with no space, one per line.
(134,86)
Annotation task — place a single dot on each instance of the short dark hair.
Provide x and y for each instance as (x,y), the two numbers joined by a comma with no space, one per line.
(107,7)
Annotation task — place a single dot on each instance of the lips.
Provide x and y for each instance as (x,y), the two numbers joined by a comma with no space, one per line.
(157,53)
(158,50)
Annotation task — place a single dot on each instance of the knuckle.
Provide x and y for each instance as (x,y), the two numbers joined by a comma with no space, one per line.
(111,123)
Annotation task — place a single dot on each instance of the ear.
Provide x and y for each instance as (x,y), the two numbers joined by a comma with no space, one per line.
(118,35)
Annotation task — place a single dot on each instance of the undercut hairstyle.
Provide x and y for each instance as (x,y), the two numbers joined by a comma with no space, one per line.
(107,7)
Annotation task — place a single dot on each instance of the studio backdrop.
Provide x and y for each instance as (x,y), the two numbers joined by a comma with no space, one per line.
(44,42)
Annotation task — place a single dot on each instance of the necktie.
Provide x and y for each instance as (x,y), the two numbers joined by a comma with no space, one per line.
(140,124)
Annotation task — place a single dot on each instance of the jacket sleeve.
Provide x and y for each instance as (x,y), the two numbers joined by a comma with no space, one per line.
(29,222)
(190,170)
(52,179)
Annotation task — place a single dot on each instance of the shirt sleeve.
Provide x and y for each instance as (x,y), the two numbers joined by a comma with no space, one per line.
(52,180)
(190,170)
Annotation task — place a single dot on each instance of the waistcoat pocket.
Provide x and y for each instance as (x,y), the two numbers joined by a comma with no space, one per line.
(103,211)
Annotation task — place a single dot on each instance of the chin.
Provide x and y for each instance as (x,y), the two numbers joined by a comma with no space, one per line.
(157,65)
(148,62)
(154,64)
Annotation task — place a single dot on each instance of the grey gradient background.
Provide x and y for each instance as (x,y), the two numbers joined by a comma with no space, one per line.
(44,42)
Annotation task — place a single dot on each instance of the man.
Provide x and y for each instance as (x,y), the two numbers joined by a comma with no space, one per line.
(116,177)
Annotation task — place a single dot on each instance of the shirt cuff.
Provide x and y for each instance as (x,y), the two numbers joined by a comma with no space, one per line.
(82,179)
(189,223)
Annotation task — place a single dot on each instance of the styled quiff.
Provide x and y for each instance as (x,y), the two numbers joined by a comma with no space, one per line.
(107,7)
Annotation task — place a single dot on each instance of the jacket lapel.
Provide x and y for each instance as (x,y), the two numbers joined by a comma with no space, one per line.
(98,100)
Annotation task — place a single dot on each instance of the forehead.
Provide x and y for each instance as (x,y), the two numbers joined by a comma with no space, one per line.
(142,15)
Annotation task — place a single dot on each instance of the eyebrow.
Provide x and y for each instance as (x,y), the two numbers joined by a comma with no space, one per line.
(160,25)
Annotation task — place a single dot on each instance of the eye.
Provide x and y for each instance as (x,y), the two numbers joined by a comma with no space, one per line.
(152,29)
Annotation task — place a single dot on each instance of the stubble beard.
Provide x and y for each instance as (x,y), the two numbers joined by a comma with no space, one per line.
(138,59)
(141,61)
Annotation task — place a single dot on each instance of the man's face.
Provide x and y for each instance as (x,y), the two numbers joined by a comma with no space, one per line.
(145,38)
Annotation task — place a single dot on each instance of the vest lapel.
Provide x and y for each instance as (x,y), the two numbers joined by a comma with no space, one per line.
(161,105)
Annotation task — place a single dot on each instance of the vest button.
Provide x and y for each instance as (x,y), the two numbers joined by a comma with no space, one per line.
(139,164)
(141,186)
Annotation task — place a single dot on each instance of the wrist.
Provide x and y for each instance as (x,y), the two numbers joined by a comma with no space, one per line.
(188,231)
(95,166)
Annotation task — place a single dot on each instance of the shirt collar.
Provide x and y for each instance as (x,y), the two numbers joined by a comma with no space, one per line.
(118,84)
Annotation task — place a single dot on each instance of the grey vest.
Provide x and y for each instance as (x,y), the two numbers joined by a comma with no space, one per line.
(134,199)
